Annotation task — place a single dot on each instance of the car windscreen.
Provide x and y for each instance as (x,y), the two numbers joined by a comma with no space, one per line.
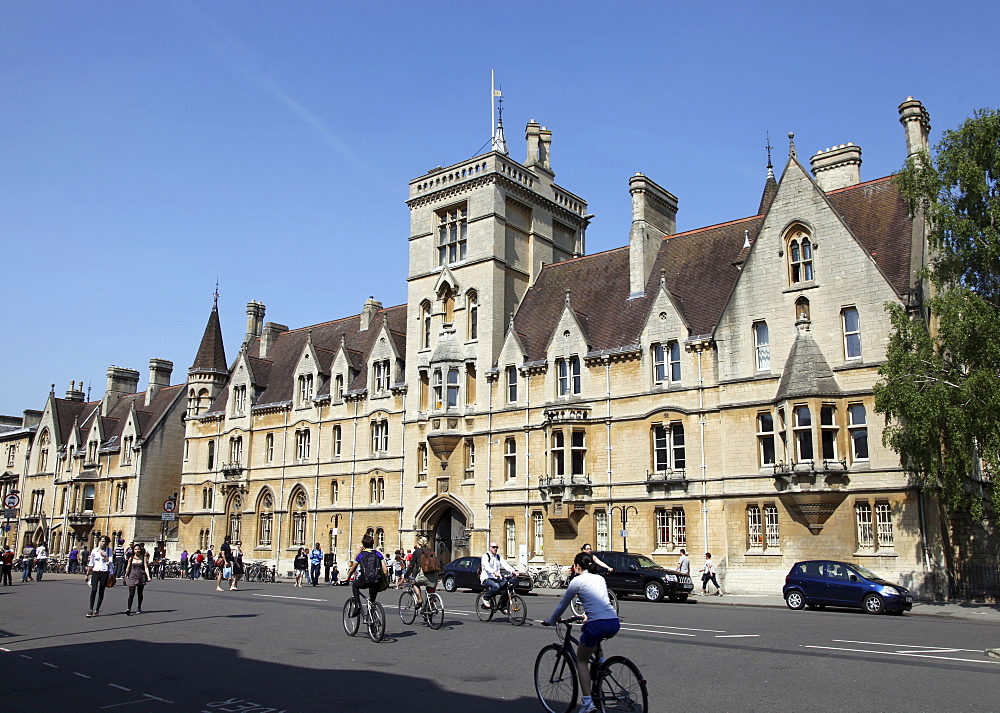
(866,573)
(646,563)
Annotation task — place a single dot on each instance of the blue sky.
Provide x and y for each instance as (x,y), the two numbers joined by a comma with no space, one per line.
(148,148)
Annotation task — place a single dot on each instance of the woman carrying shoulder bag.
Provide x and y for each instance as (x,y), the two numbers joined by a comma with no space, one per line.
(136,576)
(98,570)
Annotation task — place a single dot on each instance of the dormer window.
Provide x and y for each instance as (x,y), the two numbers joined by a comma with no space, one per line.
(568,376)
(126,457)
(91,452)
(511,384)
(453,228)
(305,389)
(381,372)
(239,400)
(667,362)
(800,257)
(338,388)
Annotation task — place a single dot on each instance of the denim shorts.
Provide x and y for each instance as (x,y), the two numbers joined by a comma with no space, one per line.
(598,629)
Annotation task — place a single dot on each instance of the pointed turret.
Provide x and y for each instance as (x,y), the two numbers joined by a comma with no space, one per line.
(770,185)
(209,373)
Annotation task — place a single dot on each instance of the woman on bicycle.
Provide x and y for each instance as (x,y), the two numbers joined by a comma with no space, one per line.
(367,551)
(414,572)
(600,619)
(597,563)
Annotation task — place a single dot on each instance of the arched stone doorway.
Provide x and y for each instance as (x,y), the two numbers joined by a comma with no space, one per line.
(446,521)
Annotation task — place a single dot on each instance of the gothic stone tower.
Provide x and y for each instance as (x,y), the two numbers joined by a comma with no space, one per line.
(480,231)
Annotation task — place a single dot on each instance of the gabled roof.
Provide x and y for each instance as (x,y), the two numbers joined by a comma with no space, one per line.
(806,371)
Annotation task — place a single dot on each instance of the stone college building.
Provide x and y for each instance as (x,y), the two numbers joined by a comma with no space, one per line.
(708,390)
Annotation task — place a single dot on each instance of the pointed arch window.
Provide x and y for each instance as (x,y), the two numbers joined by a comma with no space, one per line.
(448,305)
(299,503)
(43,450)
(472,300)
(800,257)
(265,524)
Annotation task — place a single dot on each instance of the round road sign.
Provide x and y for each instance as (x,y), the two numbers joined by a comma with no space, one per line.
(169,505)
(12,500)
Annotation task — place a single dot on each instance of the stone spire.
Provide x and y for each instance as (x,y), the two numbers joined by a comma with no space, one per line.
(211,354)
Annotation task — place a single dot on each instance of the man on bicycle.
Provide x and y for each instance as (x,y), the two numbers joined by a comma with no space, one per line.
(368,562)
(600,619)
(415,570)
(492,567)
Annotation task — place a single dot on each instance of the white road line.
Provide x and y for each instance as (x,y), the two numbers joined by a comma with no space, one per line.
(300,599)
(737,636)
(24,656)
(904,646)
(652,631)
(121,688)
(126,703)
(3,649)
(156,698)
(685,628)
(50,665)
(896,653)
(933,651)
(81,675)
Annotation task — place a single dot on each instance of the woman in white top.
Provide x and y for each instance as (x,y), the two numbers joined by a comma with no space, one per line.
(97,570)
(708,575)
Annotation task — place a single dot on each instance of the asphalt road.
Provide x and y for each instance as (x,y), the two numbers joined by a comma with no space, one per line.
(273,648)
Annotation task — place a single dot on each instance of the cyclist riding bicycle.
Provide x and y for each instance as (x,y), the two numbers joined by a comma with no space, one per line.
(368,563)
(600,619)
(597,563)
(415,571)
(492,567)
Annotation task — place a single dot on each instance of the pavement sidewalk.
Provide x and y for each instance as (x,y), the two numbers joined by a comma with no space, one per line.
(958,610)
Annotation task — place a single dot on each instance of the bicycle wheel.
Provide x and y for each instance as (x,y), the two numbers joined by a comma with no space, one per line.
(556,679)
(407,607)
(613,598)
(352,620)
(577,606)
(376,623)
(483,614)
(517,610)
(435,611)
(555,580)
(621,687)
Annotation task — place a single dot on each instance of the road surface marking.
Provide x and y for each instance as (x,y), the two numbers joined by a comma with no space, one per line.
(50,665)
(300,599)
(121,688)
(737,636)
(156,698)
(685,628)
(652,631)
(81,675)
(905,646)
(896,653)
(3,649)
(24,656)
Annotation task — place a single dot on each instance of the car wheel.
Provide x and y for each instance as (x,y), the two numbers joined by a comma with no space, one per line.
(678,597)
(449,584)
(873,604)
(653,591)
(795,600)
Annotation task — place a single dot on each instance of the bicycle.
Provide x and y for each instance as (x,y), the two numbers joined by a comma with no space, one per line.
(373,616)
(618,684)
(504,601)
(577,606)
(431,606)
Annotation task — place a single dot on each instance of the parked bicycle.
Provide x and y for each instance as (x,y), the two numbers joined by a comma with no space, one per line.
(431,607)
(504,601)
(577,606)
(371,613)
(259,572)
(618,684)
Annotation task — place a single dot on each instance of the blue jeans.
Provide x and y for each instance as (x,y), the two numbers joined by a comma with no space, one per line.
(492,587)
(314,574)
(26,569)
(40,569)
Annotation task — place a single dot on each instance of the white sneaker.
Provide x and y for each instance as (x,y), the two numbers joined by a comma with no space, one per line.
(586,707)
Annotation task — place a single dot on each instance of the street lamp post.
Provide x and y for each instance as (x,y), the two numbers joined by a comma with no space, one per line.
(624,510)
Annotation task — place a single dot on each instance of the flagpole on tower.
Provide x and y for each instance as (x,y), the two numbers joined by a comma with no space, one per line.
(493,102)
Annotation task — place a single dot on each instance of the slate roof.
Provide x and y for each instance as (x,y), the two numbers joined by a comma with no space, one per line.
(700,268)
(806,371)
(211,352)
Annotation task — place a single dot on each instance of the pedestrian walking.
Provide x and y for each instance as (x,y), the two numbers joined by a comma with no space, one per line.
(101,564)
(224,564)
(196,564)
(119,562)
(84,557)
(74,560)
(301,565)
(315,561)
(684,563)
(6,567)
(136,576)
(27,562)
(397,568)
(708,575)
(209,572)
(41,560)
(237,566)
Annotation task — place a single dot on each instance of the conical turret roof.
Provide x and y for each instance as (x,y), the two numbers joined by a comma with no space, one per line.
(212,352)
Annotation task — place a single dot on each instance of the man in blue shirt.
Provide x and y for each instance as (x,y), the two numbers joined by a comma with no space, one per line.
(315,560)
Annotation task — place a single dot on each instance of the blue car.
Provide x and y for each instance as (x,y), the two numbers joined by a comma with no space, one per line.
(819,583)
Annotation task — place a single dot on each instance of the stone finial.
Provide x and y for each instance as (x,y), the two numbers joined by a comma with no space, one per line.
(791,144)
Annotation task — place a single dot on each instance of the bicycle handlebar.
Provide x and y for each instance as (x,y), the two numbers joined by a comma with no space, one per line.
(567,620)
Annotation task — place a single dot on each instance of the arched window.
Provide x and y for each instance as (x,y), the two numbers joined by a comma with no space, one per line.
(265,518)
(800,256)
(297,505)
(802,313)
(448,305)
(425,325)
(472,300)
(43,450)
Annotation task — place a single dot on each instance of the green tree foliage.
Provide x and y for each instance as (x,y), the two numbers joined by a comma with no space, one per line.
(940,391)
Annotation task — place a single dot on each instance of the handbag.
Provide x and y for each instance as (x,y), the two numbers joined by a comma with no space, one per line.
(383,583)
(220,561)
(111,580)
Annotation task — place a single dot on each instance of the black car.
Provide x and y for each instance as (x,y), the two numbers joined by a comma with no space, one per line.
(463,573)
(638,574)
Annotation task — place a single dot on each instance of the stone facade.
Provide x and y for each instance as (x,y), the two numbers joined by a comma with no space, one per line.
(710,390)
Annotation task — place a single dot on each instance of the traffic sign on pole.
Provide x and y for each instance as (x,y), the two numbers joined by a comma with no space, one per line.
(168,516)
(169,505)
(12,500)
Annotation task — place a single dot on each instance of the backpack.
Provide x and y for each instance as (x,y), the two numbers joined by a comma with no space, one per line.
(429,562)
(369,570)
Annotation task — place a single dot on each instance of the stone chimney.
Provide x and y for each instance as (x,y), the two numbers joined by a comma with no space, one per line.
(270,336)
(531,132)
(255,320)
(372,306)
(917,124)
(837,167)
(74,393)
(545,149)
(32,417)
(159,377)
(654,216)
(121,382)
